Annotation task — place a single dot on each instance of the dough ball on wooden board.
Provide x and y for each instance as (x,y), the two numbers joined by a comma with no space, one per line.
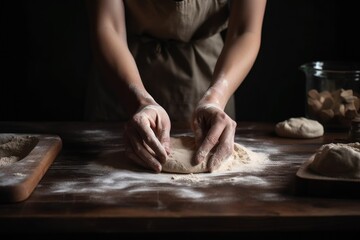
(337,160)
(299,128)
(182,153)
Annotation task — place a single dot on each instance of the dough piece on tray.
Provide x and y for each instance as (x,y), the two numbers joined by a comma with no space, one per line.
(337,160)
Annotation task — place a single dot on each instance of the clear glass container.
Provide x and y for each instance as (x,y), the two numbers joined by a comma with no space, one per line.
(332,92)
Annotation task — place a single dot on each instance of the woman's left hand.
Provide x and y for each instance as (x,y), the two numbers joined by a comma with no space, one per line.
(214,134)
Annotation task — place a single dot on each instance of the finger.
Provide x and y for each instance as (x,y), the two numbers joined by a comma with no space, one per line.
(224,149)
(136,159)
(164,136)
(142,152)
(198,132)
(165,141)
(210,141)
(149,137)
(146,160)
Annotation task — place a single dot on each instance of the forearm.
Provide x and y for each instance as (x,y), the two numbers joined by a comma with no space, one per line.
(121,73)
(239,53)
(113,56)
(233,65)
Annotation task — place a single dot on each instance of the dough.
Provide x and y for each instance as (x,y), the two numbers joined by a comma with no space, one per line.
(183,150)
(299,128)
(337,160)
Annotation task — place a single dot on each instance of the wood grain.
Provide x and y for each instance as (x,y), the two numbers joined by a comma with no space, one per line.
(87,189)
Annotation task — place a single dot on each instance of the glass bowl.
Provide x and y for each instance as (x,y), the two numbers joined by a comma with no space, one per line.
(332,92)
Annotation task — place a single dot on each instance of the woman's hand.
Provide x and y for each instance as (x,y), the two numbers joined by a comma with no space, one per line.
(147,137)
(214,129)
(214,134)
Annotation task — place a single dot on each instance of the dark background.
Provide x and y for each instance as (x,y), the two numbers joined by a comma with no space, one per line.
(46,56)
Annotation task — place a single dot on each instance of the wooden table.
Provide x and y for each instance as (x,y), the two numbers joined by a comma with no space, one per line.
(87,189)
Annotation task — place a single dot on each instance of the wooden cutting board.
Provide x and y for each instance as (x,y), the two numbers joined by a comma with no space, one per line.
(309,183)
(18,180)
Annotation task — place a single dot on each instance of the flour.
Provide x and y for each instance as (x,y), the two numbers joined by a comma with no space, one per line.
(119,179)
(13,148)
(189,178)
(7,161)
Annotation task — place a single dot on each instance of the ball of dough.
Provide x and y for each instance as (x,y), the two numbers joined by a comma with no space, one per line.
(337,160)
(299,128)
(183,150)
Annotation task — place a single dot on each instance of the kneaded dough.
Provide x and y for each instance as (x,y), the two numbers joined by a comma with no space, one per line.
(337,160)
(183,150)
(299,128)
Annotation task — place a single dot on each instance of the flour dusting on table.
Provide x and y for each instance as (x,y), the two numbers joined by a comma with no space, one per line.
(127,179)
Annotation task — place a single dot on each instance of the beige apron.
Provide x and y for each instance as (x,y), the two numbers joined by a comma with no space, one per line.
(176,45)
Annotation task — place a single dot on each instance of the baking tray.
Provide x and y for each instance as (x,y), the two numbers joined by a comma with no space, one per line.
(309,183)
(18,180)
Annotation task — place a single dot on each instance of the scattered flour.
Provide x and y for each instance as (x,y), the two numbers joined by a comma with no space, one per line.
(13,148)
(126,179)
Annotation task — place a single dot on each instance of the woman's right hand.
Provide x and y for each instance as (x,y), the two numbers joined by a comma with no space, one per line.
(147,137)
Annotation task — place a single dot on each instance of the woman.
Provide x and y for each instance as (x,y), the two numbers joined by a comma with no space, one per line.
(163,61)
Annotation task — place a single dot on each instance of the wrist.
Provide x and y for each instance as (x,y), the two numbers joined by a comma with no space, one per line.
(211,98)
(205,106)
(141,99)
(218,93)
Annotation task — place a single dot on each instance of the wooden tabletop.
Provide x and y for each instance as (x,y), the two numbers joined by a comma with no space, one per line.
(91,188)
